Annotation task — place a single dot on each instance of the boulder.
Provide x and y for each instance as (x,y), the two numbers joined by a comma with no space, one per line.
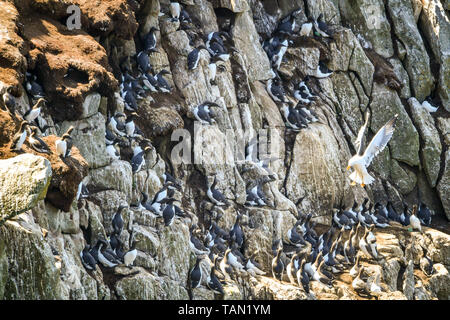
(24,181)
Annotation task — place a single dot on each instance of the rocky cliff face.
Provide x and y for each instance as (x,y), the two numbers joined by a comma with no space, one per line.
(387,56)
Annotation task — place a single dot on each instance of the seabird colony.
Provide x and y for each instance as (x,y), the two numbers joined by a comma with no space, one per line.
(302,255)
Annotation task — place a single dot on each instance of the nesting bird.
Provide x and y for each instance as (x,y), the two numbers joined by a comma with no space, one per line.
(215,195)
(36,143)
(20,136)
(34,112)
(64,145)
(194,57)
(203,113)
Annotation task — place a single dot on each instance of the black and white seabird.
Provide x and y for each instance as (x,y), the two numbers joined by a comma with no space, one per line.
(426,264)
(294,237)
(322,71)
(129,124)
(184,17)
(9,100)
(194,57)
(116,125)
(276,90)
(287,25)
(236,233)
(138,160)
(278,54)
(100,253)
(392,214)
(369,249)
(131,254)
(414,221)
(305,29)
(64,145)
(278,265)
(292,267)
(175,10)
(424,214)
(20,136)
(163,85)
(302,276)
(149,82)
(203,114)
(217,50)
(130,101)
(213,282)
(322,28)
(358,284)
(252,267)
(110,136)
(111,149)
(37,143)
(143,62)
(215,195)
(169,211)
(168,178)
(87,259)
(34,112)
(117,221)
(33,88)
(196,274)
(293,119)
(150,40)
(427,104)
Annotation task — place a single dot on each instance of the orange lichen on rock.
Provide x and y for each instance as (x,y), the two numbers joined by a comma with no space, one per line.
(12,62)
(67,172)
(106,16)
(70,64)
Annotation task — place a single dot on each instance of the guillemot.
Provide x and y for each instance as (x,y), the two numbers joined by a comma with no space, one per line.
(138,160)
(194,57)
(87,259)
(64,145)
(150,40)
(37,143)
(34,112)
(117,221)
(215,195)
(203,114)
(19,138)
(130,255)
(278,265)
(212,281)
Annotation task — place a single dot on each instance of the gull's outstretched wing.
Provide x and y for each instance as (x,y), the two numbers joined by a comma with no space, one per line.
(380,140)
(359,142)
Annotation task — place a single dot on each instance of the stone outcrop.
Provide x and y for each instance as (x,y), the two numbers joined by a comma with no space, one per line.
(24,181)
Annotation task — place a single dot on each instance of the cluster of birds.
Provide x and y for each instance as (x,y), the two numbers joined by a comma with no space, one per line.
(303,255)
(381,216)
(297,115)
(109,252)
(321,258)
(29,132)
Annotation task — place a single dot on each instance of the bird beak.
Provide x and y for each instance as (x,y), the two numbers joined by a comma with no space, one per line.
(348,167)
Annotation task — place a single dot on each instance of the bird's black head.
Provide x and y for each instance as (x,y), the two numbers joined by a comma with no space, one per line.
(164,71)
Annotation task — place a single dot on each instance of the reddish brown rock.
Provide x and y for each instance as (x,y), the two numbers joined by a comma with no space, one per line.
(67,173)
